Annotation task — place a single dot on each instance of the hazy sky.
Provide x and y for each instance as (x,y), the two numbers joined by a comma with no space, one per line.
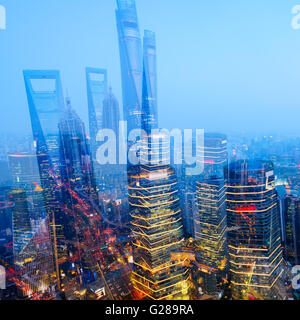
(223,65)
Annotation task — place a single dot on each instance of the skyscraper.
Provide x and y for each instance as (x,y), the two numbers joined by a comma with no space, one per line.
(214,154)
(210,221)
(76,167)
(111,119)
(157,228)
(150,113)
(96,80)
(32,247)
(152,187)
(25,176)
(254,244)
(292,229)
(131,56)
(210,228)
(111,112)
(46,107)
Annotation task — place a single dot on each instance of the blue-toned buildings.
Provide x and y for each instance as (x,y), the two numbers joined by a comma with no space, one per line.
(96,80)
(150,112)
(131,56)
(46,107)
(76,167)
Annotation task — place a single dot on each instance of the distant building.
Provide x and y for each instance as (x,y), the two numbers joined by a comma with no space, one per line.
(292,229)
(111,119)
(76,166)
(96,79)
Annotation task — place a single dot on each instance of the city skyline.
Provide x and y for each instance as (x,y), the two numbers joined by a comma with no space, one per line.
(88,212)
(225,64)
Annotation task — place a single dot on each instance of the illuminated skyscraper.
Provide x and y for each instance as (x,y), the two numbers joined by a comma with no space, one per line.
(24,171)
(131,56)
(46,107)
(157,229)
(21,221)
(32,247)
(150,116)
(210,228)
(76,165)
(292,229)
(210,222)
(25,176)
(214,154)
(254,244)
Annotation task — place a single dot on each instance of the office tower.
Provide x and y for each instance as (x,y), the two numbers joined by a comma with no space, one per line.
(34,255)
(156,227)
(210,221)
(210,228)
(5,213)
(190,210)
(25,176)
(4,173)
(292,229)
(31,246)
(46,107)
(76,168)
(96,80)
(24,171)
(111,119)
(150,116)
(214,154)
(111,113)
(131,56)
(21,220)
(254,244)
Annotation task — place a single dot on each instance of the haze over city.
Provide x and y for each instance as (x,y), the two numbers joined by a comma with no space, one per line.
(223,66)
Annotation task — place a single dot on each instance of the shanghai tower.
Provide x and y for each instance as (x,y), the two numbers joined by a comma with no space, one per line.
(131,56)
(150,116)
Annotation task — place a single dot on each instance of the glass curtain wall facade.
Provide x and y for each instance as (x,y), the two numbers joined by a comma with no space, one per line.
(254,243)
(157,228)
(46,107)
(96,80)
(292,229)
(131,56)
(210,221)
(76,169)
(211,230)
(150,113)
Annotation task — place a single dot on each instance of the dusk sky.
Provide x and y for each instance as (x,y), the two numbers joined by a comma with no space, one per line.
(222,65)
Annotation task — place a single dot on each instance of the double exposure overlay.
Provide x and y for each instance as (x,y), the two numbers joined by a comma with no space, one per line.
(149,150)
